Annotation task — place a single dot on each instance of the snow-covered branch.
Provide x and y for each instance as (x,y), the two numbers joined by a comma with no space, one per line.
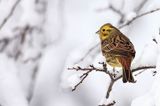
(113,76)
(139,16)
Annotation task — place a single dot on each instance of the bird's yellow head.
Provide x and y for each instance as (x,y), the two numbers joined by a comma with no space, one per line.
(105,31)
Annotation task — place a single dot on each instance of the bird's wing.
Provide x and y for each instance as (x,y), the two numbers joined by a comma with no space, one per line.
(119,45)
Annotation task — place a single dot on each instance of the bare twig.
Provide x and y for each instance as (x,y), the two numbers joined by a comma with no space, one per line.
(86,54)
(105,70)
(122,15)
(154,73)
(117,11)
(109,104)
(137,69)
(140,6)
(154,40)
(10,14)
(109,88)
(139,16)
(20,35)
(83,76)
(33,59)
(32,84)
(139,73)
(122,26)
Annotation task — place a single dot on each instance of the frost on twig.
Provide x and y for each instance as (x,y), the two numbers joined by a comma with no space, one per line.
(111,75)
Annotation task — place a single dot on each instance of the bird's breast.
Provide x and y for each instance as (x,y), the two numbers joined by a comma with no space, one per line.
(112,60)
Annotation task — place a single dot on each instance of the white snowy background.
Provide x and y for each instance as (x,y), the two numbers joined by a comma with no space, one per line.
(40,39)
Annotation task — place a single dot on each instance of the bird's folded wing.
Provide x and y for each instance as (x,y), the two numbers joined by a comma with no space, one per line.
(119,47)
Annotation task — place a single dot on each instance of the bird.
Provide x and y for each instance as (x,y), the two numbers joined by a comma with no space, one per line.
(117,49)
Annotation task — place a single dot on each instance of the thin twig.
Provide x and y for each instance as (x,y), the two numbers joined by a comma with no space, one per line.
(33,59)
(122,15)
(109,104)
(105,70)
(122,26)
(109,88)
(88,52)
(139,7)
(84,76)
(154,40)
(139,73)
(10,14)
(137,69)
(139,16)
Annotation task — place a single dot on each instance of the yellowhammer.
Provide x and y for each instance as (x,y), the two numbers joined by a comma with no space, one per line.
(117,49)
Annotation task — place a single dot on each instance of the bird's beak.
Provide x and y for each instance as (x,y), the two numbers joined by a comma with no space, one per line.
(97,32)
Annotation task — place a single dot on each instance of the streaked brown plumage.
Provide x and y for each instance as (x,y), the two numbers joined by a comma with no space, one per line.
(117,49)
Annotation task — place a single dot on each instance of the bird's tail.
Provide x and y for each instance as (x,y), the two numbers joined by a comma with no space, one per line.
(127,76)
(127,73)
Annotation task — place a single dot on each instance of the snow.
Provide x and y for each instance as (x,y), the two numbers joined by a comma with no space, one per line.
(130,16)
(106,101)
(11,92)
(62,34)
(152,98)
(30,16)
(145,100)
(73,80)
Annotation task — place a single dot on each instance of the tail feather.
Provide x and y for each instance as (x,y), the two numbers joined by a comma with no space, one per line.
(127,73)
(124,77)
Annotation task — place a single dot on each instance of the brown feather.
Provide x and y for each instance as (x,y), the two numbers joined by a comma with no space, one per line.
(118,44)
(127,74)
(117,49)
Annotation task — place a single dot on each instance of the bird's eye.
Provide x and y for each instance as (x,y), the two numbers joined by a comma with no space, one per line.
(103,30)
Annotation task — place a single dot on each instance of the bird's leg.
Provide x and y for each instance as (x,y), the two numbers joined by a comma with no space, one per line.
(114,72)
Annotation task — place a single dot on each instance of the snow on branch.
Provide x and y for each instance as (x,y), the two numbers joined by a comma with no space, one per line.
(113,76)
(109,104)
(139,16)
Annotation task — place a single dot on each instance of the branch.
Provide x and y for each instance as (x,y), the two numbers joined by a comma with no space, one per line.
(139,7)
(122,26)
(109,104)
(86,54)
(139,16)
(33,59)
(137,69)
(10,14)
(105,70)
(122,15)
(154,40)
(83,76)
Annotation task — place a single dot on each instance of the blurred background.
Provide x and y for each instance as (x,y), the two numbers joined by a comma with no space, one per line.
(40,39)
